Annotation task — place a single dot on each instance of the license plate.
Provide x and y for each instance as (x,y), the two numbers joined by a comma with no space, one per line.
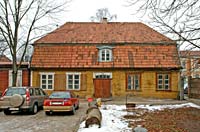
(13,108)
(56,103)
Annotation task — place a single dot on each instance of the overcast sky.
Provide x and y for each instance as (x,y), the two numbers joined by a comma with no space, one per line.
(82,10)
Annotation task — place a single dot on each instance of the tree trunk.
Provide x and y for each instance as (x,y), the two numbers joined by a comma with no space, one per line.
(94,116)
(14,73)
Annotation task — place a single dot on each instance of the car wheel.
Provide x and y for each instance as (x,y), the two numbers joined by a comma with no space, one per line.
(34,109)
(47,113)
(7,112)
(16,100)
(73,110)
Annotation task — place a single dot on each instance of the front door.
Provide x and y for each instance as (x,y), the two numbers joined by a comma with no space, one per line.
(102,85)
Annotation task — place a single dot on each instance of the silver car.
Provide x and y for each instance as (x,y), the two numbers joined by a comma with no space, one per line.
(27,99)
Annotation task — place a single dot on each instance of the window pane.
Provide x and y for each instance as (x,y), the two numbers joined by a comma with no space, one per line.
(166,81)
(136,82)
(137,87)
(70,82)
(103,55)
(44,86)
(76,87)
(70,77)
(50,76)
(160,86)
(159,76)
(76,76)
(43,76)
(160,81)
(107,55)
(166,87)
(166,77)
(43,81)
(50,87)
(76,82)
(50,81)
(70,86)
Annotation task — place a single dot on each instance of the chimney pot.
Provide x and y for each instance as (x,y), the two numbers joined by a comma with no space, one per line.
(104,20)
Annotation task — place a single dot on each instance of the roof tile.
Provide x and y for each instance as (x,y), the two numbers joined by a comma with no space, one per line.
(155,56)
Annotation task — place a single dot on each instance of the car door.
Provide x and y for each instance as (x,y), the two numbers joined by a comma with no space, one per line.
(39,97)
(43,96)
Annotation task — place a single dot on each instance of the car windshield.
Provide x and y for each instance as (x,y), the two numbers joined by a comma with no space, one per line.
(12,91)
(60,95)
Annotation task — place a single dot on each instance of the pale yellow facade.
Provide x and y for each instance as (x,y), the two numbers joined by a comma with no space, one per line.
(148,83)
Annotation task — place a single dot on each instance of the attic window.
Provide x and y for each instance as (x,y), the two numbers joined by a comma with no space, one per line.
(105,54)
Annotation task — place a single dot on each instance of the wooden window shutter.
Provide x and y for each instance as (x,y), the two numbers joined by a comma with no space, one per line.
(83,81)
(60,82)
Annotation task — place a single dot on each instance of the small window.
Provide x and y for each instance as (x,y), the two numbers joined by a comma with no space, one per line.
(163,81)
(47,81)
(102,75)
(133,81)
(105,54)
(73,81)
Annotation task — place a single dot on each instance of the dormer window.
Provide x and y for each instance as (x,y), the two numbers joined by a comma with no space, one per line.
(105,54)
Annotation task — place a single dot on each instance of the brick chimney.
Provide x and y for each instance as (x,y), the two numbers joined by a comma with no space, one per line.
(104,20)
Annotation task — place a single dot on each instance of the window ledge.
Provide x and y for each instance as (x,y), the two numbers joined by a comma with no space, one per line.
(133,90)
(163,90)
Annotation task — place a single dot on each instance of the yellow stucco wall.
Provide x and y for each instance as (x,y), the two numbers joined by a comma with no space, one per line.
(118,87)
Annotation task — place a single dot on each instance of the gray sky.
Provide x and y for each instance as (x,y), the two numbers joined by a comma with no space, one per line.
(82,10)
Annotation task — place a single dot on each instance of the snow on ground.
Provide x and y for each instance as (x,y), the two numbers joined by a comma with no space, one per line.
(161,107)
(112,117)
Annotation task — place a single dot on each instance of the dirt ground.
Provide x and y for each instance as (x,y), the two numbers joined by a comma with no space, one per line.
(168,120)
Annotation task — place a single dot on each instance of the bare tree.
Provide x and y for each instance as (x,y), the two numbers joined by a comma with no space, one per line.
(3,47)
(179,19)
(103,13)
(20,20)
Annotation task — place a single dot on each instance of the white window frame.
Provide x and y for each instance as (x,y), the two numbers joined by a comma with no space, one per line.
(107,54)
(73,80)
(46,74)
(19,78)
(163,79)
(102,73)
(133,80)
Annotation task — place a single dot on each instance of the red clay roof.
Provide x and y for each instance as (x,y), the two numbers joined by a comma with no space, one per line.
(186,53)
(74,45)
(86,56)
(113,32)
(3,58)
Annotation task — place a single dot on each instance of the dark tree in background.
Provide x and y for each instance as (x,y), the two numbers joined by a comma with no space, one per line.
(21,22)
(179,19)
(103,13)
(3,46)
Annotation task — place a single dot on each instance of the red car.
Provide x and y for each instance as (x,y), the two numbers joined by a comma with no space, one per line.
(61,101)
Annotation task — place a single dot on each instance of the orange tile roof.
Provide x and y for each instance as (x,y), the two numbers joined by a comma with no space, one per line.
(113,32)
(3,58)
(186,53)
(74,45)
(125,56)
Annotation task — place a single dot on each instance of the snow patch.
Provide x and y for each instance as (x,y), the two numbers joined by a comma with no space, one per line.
(161,107)
(113,121)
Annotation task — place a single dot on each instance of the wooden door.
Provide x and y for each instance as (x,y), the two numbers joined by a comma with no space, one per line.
(102,88)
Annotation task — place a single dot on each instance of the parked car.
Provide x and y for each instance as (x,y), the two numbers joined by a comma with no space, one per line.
(61,101)
(22,99)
